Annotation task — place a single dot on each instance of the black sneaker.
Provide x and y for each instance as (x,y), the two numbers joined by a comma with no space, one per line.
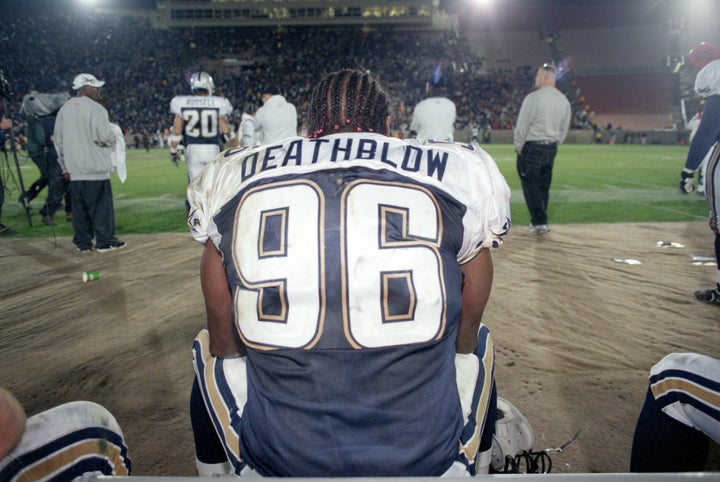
(6,231)
(84,250)
(112,246)
(708,296)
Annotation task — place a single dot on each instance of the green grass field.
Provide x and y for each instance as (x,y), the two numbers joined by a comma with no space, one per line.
(591,183)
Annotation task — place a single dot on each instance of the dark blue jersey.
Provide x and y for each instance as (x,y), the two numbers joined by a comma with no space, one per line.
(707,134)
(343,255)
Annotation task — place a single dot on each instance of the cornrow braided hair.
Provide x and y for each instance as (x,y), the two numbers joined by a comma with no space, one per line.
(348,101)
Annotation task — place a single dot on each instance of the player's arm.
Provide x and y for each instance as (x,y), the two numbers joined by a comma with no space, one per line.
(13,420)
(414,123)
(176,133)
(706,135)
(175,138)
(224,339)
(229,135)
(477,282)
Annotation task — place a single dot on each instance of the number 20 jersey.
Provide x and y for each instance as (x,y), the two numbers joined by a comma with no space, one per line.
(343,255)
(201,114)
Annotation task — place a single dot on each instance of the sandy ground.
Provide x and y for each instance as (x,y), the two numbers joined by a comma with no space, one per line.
(575,332)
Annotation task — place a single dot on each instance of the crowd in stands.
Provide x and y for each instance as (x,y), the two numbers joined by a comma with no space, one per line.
(145,67)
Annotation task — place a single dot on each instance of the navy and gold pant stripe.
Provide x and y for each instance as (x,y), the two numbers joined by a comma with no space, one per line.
(687,387)
(66,442)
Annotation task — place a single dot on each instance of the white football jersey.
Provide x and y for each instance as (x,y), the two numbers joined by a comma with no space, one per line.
(201,115)
(465,172)
(343,254)
(434,119)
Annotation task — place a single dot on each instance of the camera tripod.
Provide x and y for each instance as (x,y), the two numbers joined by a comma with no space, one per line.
(4,91)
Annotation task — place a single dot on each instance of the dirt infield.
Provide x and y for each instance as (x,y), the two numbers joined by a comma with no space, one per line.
(575,332)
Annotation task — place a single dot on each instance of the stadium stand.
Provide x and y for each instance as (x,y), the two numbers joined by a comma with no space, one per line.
(633,101)
(615,59)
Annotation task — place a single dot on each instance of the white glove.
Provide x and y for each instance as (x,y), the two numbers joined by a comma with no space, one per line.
(687,183)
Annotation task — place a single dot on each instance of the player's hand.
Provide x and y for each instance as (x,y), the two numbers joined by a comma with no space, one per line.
(687,183)
(175,158)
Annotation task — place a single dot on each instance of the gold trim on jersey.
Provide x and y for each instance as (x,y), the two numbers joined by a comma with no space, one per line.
(673,384)
(471,447)
(66,457)
(281,285)
(219,408)
(384,242)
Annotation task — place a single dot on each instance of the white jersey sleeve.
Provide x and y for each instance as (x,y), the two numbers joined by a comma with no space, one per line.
(176,104)
(225,106)
(488,216)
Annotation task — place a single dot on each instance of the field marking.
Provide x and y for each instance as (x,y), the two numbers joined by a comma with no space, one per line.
(165,202)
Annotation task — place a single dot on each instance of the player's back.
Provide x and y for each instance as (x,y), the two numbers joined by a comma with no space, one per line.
(201,117)
(434,118)
(276,120)
(343,257)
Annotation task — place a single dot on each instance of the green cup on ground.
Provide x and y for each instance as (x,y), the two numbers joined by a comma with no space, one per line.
(91,276)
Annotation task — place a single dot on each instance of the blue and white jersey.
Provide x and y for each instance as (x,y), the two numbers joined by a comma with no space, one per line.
(343,255)
(72,441)
(687,388)
(201,115)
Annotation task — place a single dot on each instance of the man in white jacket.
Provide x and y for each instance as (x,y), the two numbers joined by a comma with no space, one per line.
(276,119)
(434,118)
(85,140)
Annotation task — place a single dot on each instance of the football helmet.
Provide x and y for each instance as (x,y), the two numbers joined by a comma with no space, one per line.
(513,434)
(202,81)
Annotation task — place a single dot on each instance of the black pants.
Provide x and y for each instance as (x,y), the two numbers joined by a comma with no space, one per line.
(34,190)
(93,213)
(58,188)
(662,444)
(535,165)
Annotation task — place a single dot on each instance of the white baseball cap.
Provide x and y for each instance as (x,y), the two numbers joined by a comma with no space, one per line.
(87,79)
(707,82)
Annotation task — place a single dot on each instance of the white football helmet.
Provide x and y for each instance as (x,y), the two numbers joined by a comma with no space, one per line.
(513,434)
(202,80)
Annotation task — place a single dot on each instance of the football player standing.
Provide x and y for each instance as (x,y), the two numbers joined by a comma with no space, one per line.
(200,121)
(705,145)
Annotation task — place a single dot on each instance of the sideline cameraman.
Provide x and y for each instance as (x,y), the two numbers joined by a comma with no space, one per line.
(5,124)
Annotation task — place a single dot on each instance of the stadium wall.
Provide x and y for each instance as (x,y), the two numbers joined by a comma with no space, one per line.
(503,51)
(506,136)
(624,135)
(618,71)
